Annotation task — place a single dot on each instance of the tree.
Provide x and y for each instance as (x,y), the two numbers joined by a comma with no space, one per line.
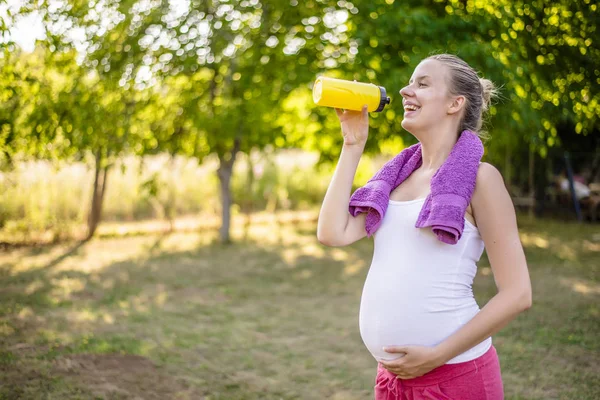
(223,77)
(543,55)
(61,111)
(239,60)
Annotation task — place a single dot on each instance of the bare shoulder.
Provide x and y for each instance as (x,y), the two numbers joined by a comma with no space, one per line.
(488,179)
(490,195)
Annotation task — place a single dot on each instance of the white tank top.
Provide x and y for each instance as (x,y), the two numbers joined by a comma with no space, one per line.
(418,290)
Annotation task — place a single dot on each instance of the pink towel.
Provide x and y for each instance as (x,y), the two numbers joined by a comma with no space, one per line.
(452,187)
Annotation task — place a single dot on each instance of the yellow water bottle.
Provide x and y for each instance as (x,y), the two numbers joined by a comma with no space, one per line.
(349,95)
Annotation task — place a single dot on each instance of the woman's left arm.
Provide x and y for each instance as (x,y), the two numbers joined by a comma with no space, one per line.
(497,223)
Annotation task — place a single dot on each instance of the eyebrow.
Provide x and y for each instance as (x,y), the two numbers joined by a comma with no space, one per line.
(419,77)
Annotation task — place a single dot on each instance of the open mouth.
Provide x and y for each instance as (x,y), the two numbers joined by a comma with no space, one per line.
(411,107)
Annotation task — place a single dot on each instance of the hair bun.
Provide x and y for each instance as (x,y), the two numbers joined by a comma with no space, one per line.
(488,92)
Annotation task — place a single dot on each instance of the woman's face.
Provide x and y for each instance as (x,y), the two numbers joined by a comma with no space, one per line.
(426,98)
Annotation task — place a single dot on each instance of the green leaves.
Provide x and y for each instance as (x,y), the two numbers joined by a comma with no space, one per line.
(191,78)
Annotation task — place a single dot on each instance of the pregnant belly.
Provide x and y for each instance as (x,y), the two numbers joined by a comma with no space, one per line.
(402,317)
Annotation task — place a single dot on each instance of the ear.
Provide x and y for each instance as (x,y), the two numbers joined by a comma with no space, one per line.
(456,105)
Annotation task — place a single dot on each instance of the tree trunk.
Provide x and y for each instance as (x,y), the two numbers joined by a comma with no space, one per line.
(595,169)
(543,171)
(531,181)
(170,206)
(100,177)
(249,203)
(224,173)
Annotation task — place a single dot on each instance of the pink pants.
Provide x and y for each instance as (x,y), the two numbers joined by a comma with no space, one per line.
(478,379)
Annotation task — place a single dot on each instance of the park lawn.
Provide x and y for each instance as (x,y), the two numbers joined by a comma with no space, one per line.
(273,316)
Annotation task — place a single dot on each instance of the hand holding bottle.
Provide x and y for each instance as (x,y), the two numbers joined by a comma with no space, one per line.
(355,125)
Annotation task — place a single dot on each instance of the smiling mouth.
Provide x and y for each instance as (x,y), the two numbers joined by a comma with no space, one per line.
(410,107)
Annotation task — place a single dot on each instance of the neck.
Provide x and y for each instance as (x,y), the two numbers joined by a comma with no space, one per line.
(436,147)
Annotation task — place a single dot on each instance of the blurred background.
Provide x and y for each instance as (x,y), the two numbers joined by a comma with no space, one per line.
(162,165)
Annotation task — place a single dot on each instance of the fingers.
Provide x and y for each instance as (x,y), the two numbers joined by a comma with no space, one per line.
(396,364)
(400,373)
(396,349)
(364,111)
(397,370)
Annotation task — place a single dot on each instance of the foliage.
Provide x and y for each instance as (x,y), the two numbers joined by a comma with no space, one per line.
(218,78)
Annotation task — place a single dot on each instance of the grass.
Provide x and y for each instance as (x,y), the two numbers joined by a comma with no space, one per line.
(274,316)
(42,202)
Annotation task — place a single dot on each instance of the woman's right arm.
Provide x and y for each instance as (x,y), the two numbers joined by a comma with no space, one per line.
(336,226)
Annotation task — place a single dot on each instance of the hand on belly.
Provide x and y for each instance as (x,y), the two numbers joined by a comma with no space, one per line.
(414,361)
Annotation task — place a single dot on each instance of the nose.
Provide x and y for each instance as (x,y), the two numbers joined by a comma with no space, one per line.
(407,91)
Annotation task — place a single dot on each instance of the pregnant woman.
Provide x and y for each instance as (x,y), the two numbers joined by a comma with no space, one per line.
(431,211)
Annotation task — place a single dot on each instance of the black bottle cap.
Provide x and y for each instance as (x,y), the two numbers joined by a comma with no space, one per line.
(383,100)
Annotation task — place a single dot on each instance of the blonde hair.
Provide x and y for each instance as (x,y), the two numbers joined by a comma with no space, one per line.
(477,91)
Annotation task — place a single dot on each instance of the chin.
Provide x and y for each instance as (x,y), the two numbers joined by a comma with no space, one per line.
(409,126)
